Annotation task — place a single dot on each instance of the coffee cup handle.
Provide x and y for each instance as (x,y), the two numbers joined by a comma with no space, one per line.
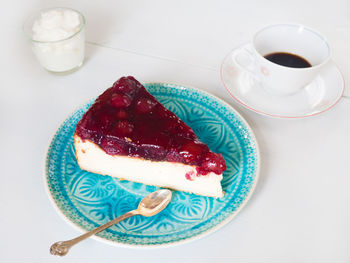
(244,58)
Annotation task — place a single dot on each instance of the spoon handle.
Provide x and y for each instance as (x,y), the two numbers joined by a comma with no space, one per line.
(61,248)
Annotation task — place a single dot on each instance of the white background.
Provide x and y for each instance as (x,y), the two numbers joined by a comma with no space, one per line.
(300,211)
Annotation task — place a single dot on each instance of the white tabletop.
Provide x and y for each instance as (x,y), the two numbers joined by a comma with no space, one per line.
(300,210)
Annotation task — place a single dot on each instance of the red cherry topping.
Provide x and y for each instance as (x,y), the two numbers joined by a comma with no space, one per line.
(127,120)
(111,147)
(126,85)
(121,114)
(106,120)
(213,162)
(120,100)
(145,105)
(164,113)
(124,128)
(192,152)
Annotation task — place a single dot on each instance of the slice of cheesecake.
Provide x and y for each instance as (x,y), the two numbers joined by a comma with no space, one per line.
(128,134)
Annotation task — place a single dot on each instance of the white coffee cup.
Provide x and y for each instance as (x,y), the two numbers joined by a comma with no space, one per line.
(287,38)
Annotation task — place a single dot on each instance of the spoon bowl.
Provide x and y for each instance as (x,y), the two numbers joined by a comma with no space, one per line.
(154,202)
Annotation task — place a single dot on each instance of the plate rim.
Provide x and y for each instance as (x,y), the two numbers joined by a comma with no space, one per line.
(331,61)
(173,243)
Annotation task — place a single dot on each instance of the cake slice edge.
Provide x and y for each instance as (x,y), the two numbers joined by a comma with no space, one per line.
(173,175)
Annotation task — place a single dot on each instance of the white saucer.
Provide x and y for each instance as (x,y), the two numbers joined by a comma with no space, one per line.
(319,96)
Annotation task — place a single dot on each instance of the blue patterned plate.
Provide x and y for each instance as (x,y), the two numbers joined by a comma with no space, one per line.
(89,200)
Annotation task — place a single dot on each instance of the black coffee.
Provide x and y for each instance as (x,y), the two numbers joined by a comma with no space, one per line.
(288,60)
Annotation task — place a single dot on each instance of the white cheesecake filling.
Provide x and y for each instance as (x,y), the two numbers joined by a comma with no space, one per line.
(164,174)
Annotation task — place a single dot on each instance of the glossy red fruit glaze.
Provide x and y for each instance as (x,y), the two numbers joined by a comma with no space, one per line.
(145,105)
(126,85)
(123,128)
(112,147)
(120,100)
(106,120)
(193,152)
(127,120)
(121,115)
(212,162)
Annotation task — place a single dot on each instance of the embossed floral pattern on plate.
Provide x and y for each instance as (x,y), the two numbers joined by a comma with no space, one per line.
(89,200)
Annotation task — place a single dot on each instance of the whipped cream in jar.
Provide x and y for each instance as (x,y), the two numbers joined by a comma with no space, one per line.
(58,38)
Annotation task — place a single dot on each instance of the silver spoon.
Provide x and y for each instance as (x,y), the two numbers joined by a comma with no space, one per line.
(149,206)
